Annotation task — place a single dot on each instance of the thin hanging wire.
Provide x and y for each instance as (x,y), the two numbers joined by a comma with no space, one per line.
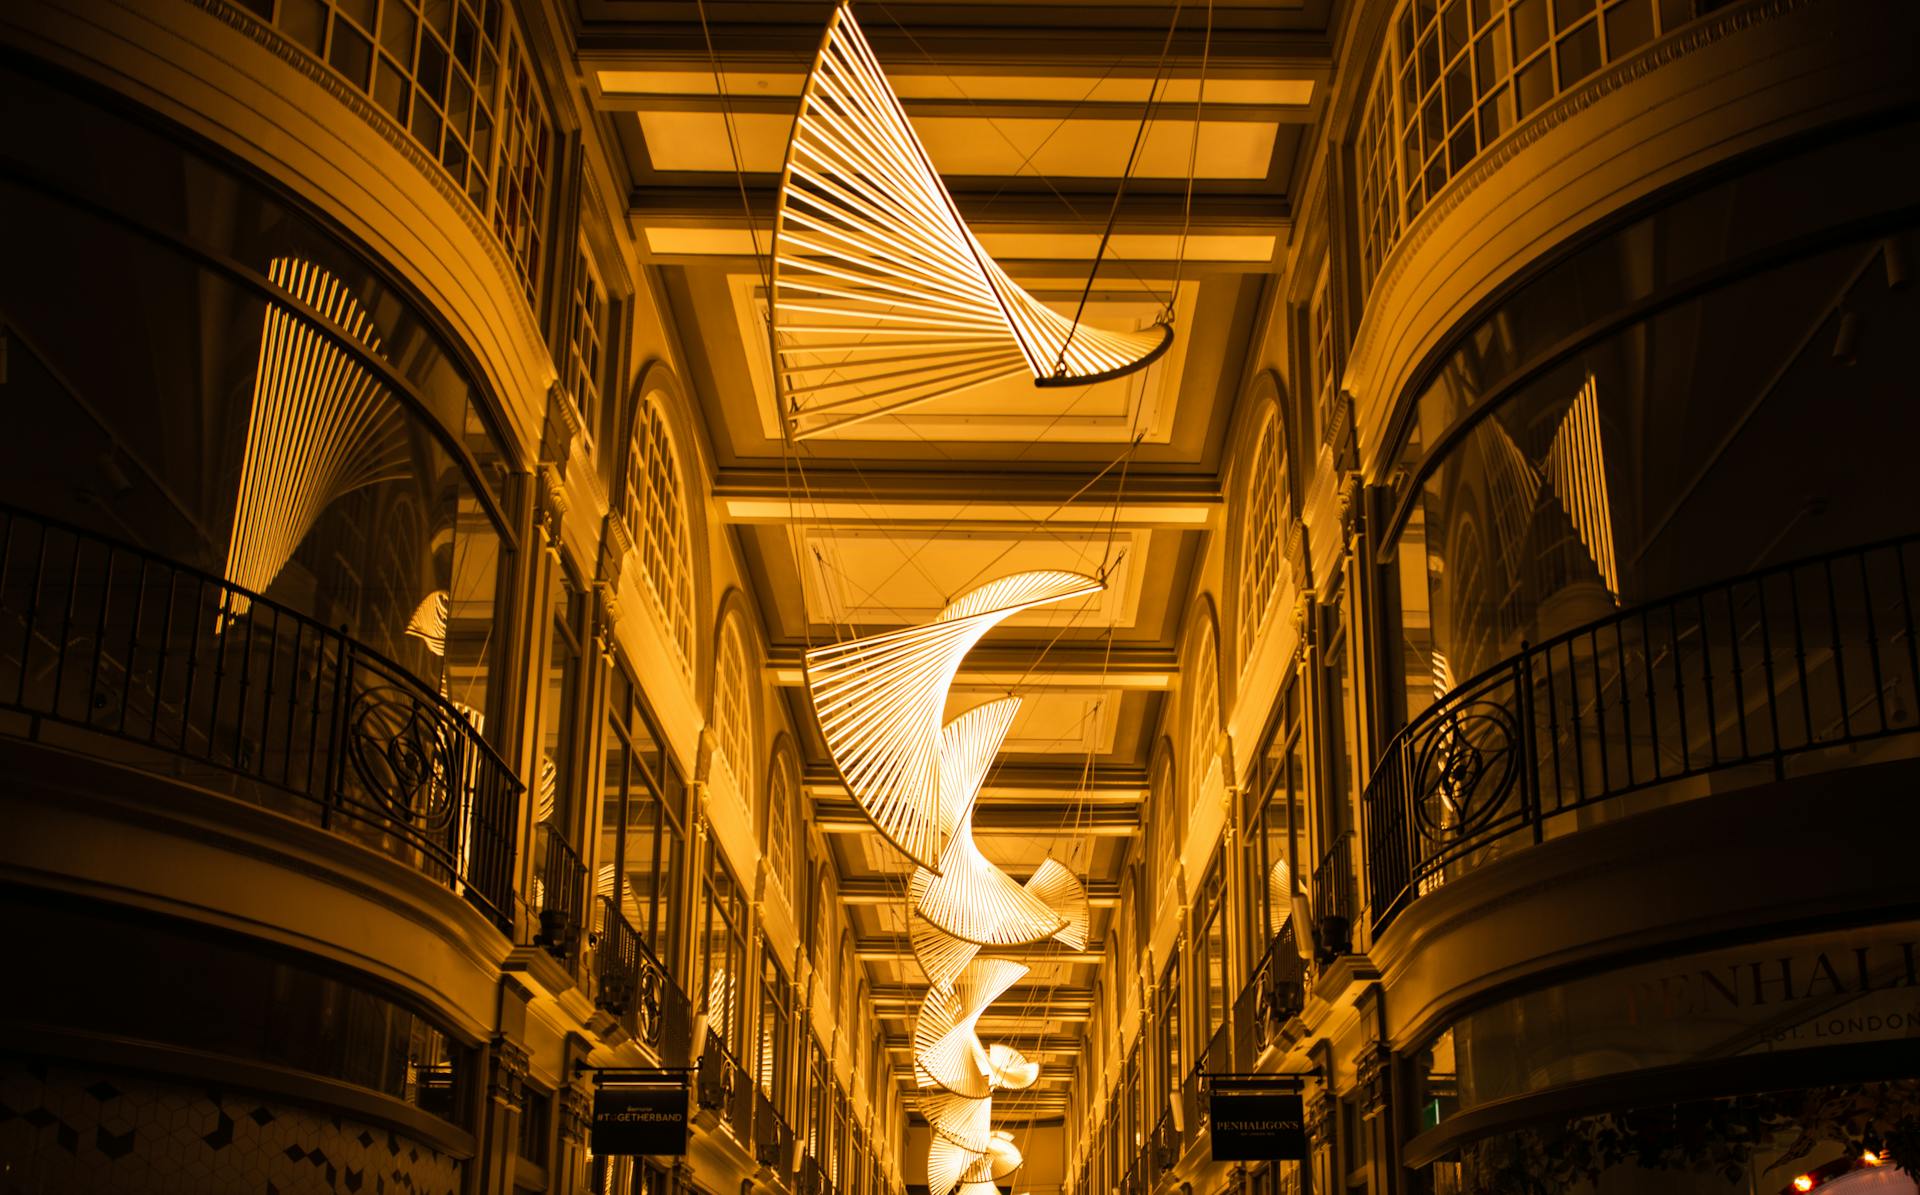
(1119,191)
(1193,165)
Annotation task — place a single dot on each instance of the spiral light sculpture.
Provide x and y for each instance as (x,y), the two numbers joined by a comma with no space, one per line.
(879,701)
(882,296)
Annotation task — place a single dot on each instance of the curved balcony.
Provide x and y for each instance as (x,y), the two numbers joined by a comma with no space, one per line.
(1801,668)
(124,655)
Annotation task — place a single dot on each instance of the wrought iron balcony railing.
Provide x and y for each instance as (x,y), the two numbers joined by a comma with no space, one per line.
(772,1135)
(633,986)
(562,895)
(1334,893)
(1795,669)
(1275,993)
(127,655)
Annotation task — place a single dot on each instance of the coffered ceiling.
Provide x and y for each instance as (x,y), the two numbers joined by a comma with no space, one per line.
(1030,112)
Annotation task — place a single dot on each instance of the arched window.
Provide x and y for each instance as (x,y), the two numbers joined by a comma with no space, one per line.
(1161,800)
(1203,710)
(732,718)
(783,796)
(657,517)
(1262,525)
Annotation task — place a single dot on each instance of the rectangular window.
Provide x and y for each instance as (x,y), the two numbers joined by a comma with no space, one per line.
(776,1033)
(1212,999)
(587,326)
(1167,1026)
(559,714)
(721,935)
(642,835)
(1325,384)
(1273,828)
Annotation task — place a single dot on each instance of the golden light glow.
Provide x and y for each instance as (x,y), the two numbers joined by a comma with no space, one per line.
(883,298)
(1803,1183)
(320,427)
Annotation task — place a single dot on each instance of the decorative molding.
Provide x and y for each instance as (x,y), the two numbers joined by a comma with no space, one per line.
(562,426)
(1373,1078)
(552,504)
(576,1113)
(606,614)
(297,57)
(1320,1119)
(616,542)
(1347,498)
(507,1076)
(1662,53)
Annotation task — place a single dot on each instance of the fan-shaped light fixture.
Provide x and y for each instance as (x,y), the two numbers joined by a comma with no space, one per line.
(882,296)
(320,427)
(879,701)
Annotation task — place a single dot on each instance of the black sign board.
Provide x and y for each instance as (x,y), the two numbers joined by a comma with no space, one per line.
(1257,1126)
(640,1116)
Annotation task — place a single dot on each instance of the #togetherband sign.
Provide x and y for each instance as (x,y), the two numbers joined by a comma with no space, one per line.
(640,1114)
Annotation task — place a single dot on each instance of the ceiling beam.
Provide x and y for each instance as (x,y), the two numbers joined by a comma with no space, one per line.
(845,817)
(1025,993)
(895,948)
(1059,666)
(701,201)
(1270,39)
(1018,783)
(879,890)
(973,109)
(846,497)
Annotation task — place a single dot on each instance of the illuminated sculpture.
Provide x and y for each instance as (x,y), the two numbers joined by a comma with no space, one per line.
(320,427)
(879,702)
(882,296)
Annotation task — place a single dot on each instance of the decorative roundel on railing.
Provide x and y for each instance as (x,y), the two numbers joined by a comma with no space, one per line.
(648,1007)
(404,753)
(1465,766)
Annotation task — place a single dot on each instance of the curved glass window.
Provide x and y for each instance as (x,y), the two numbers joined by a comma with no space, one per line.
(222,996)
(1688,399)
(221,380)
(657,516)
(1454,77)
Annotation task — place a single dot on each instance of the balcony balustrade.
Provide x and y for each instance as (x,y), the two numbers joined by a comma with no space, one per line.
(633,986)
(127,656)
(1274,994)
(1796,669)
(1334,893)
(562,893)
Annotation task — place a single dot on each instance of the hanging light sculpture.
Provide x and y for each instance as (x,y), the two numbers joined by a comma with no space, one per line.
(320,427)
(879,702)
(882,296)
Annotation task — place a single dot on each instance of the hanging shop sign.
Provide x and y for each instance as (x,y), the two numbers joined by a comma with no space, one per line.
(640,1113)
(1257,1120)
